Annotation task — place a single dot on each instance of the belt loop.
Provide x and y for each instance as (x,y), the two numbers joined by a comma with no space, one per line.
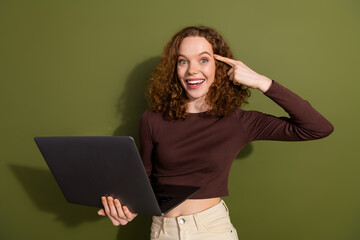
(163,224)
(226,208)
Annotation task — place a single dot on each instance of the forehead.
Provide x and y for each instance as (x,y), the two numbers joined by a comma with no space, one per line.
(194,45)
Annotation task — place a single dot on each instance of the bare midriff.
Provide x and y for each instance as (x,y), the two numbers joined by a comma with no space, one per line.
(191,206)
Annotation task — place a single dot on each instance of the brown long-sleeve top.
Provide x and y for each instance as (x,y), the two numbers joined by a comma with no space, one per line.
(199,150)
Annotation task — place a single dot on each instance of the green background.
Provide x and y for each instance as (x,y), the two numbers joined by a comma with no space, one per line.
(79,68)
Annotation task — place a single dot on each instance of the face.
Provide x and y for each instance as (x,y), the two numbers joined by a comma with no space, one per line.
(196,67)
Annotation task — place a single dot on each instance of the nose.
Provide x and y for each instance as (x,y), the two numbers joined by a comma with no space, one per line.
(193,68)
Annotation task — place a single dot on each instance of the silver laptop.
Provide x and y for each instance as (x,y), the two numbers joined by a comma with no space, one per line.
(87,168)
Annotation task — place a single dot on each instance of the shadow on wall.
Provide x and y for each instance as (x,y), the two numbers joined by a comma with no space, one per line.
(131,105)
(132,102)
(46,195)
(139,228)
(245,152)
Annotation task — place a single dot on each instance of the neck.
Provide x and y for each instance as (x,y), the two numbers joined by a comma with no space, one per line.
(196,106)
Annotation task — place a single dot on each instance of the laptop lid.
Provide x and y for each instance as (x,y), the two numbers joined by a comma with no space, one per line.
(87,168)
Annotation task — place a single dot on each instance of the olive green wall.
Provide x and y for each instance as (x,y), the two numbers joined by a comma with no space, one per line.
(79,68)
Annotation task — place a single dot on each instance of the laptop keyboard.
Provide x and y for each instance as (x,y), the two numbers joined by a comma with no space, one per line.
(162,199)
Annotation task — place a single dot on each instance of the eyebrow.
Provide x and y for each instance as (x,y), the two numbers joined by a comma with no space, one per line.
(205,52)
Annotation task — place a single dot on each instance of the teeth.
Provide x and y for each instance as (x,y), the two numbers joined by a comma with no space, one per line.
(195,81)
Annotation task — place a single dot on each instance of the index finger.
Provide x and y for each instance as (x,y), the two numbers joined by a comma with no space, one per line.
(226,60)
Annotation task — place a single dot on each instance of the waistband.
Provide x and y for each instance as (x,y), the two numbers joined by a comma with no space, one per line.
(193,219)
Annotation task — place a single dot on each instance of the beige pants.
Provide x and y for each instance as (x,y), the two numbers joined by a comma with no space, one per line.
(212,223)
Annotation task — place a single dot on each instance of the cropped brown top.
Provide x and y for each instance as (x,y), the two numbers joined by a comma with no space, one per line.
(199,150)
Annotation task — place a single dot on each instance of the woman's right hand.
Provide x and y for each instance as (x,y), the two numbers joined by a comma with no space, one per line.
(118,214)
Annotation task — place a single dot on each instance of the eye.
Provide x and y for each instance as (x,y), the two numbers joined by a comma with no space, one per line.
(204,60)
(182,61)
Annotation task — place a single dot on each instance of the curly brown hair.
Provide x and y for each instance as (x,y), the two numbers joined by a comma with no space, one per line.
(166,94)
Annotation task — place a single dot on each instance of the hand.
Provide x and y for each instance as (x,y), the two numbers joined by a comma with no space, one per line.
(119,215)
(242,74)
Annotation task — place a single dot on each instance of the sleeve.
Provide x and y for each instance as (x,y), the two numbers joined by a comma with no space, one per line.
(146,143)
(305,123)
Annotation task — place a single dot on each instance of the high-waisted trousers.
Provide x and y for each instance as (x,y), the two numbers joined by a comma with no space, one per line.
(210,224)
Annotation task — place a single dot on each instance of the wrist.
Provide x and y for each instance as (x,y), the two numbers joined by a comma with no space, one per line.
(264,84)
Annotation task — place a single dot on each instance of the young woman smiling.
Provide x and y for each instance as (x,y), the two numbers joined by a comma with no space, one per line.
(195,128)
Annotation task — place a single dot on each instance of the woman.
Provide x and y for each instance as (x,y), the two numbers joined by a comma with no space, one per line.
(194,129)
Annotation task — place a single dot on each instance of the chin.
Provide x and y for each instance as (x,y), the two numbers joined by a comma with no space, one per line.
(196,96)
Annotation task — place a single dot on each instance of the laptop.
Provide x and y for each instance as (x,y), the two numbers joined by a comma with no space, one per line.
(87,168)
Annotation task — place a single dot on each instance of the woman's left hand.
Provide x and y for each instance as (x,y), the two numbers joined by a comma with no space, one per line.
(242,74)
(117,213)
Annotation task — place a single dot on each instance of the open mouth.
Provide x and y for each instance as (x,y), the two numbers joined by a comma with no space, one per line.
(195,83)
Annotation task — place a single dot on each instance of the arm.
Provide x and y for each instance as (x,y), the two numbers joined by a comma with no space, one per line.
(305,123)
